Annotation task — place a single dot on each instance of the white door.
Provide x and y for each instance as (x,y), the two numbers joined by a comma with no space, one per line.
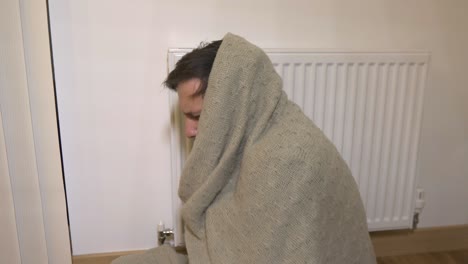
(33,216)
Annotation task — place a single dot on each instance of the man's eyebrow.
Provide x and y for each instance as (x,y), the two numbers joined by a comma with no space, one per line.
(197,93)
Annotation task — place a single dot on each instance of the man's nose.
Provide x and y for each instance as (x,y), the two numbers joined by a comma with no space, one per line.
(191,127)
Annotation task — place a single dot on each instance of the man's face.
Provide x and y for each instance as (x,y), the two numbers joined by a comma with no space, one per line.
(190,105)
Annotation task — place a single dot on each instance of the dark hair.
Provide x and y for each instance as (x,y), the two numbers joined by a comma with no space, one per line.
(196,64)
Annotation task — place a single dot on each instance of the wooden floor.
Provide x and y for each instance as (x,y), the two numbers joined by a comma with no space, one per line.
(96,260)
(450,257)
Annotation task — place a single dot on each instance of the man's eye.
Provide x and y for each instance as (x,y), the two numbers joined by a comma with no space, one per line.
(192,117)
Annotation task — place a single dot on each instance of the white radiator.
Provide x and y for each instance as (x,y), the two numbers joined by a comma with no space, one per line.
(368,104)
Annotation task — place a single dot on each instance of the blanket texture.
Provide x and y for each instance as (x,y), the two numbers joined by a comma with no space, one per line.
(262,183)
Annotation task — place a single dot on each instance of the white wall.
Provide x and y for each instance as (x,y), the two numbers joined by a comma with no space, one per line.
(110,59)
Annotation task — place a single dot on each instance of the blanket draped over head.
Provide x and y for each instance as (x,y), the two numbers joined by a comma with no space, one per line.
(262,183)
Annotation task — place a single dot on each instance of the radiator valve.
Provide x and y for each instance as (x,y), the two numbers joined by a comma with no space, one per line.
(420,202)
(164,233)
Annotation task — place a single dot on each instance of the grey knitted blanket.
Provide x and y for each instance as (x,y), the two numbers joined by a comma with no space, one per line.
(262,183)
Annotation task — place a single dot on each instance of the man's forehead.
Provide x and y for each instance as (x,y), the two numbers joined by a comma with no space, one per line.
(190,102)
(188,88)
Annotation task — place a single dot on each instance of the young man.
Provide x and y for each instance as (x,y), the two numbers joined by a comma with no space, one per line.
(262,183)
